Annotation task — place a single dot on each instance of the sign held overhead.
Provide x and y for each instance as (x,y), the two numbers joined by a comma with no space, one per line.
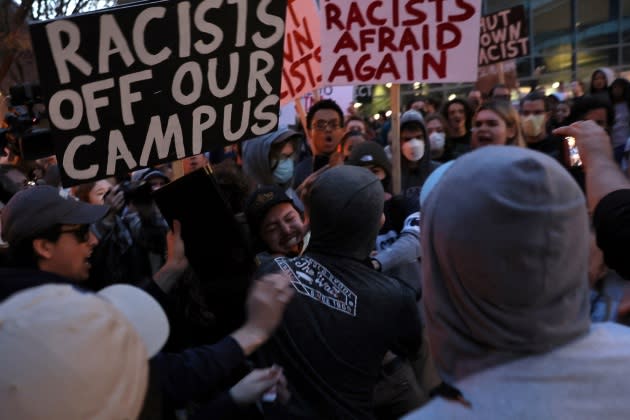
(157,81)
(399,41)
(504,36)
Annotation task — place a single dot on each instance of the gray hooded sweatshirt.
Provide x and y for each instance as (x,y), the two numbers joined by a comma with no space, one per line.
(256,162)
(506,239)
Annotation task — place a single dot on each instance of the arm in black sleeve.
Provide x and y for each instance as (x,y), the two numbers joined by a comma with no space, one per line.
(409,326)
(198,372)
(611,219)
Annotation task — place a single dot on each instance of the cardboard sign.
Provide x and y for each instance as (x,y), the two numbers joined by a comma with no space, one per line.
(493,74)
(302,70)
(399,41)
(158,81)
(504,36)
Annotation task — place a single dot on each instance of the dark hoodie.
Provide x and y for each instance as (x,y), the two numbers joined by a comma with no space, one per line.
(345,315)
(412,178)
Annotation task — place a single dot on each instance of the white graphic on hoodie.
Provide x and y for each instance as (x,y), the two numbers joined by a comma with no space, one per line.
(313,280)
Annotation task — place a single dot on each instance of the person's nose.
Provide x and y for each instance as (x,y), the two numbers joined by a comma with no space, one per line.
(92,240)
(285,228)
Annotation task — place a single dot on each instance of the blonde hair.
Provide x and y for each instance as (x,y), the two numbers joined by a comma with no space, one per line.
(509,115)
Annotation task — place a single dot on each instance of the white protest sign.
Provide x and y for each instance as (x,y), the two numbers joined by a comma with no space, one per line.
(399,41)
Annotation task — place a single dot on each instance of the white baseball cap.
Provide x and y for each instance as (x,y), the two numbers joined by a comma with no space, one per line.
(69,354)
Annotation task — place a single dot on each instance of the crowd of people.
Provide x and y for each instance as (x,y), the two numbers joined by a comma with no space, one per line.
(491,283)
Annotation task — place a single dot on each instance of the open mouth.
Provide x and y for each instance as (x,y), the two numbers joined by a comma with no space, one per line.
(484,139)
(292,241)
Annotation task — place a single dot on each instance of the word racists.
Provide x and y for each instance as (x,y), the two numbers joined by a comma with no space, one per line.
(399,41)
(141,84)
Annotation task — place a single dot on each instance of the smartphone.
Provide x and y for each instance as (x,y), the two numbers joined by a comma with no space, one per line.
(574,153)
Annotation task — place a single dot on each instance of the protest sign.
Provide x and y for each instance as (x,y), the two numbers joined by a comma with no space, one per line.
(504,73)
(302,71)
(152,82)
(504,36)
(399,41)
(363,94)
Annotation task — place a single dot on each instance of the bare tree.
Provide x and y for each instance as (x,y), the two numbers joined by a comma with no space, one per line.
(16,55)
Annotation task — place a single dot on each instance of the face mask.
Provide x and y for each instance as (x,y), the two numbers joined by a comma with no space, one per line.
(413,150)
(533,125)
(284,171)
(437,141)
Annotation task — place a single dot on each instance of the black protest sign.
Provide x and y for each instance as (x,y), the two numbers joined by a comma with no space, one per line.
(503,36)
(363,94)
(157,81)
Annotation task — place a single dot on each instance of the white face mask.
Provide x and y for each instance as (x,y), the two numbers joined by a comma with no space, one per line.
(413,150)
(437,141)
(532,125)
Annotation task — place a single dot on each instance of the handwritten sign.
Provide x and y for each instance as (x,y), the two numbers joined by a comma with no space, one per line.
(158,81)
(399,41)
(504,36)
(302,71)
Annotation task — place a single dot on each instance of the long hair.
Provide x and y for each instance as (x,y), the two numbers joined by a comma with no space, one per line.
(509,115)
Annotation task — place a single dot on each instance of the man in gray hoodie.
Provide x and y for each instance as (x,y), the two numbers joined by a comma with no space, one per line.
(505,233)
(270,160)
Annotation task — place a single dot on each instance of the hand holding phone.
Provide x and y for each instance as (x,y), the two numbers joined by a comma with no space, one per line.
(574,154)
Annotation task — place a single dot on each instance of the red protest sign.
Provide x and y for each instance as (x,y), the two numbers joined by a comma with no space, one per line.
(301,71)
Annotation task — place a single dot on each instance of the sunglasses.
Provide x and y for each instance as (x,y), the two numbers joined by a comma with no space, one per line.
(80,232)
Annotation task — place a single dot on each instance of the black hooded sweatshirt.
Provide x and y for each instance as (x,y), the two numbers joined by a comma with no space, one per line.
(345,315)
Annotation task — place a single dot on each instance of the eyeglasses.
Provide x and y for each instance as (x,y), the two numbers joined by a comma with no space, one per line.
(322,125)
(80,232)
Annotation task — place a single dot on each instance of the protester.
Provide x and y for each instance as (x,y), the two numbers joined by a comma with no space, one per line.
(562,114)
(436,126)
(607,192)
(415,163)
(324,122)
(275,223)
(500,92)
(355,123)
(67,354)
(459,116)
(507,310)
(152,176)
(132,235)
(577,88)
(619,91)
(534,112)
(270,160)
(50,242)
(497,123)
(601,78)
(474,99)
(349,141)
(346,315)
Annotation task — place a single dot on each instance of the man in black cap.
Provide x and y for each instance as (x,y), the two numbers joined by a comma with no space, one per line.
(345,315)
(275,224)
(50,241)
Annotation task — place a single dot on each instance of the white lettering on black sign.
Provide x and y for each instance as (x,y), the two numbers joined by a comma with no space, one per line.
(503,36)
(153,82)
(313,280)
